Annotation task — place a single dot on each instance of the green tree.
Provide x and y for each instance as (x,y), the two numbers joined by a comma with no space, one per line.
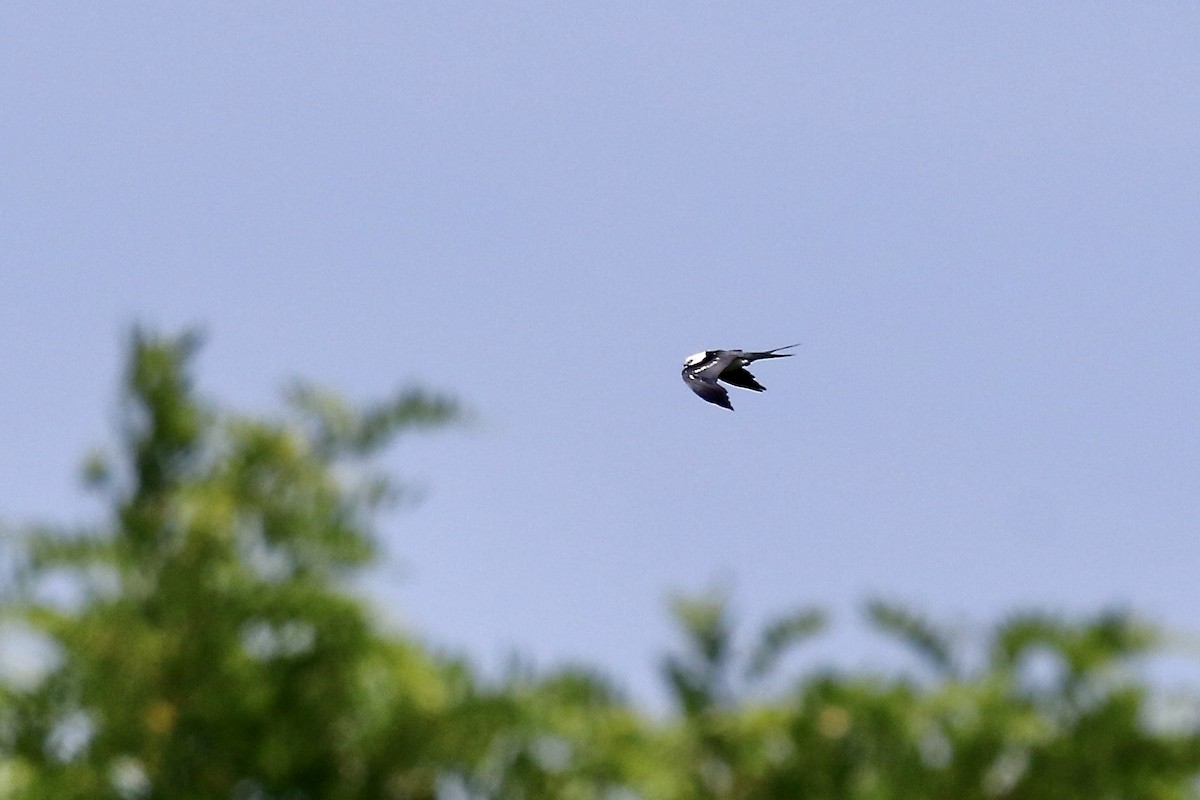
(1052,713)
(726,739)
(205,644)
(208,647)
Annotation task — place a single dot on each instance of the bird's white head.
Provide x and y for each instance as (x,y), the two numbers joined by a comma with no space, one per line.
(694,359)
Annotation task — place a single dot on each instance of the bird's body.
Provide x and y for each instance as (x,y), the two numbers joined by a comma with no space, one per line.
(702,370)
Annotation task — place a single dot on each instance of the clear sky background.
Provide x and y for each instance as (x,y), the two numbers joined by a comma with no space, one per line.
(981,219)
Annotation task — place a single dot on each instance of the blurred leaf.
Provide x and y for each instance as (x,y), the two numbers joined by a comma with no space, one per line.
(915,631)
(781,635)
(699,675)
(706,626)
(339,429)
(96,471)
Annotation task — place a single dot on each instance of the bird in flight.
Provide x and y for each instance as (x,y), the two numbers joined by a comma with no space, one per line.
(702,370)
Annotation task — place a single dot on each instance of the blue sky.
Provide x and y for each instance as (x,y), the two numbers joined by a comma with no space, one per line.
(981,220)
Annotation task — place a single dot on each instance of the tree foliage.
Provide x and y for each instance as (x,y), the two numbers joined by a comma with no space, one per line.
(202,644)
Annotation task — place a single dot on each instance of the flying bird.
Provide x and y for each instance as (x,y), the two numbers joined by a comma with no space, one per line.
(702,370)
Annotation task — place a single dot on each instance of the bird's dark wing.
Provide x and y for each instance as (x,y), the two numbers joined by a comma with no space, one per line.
(708,390)
(737,375)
